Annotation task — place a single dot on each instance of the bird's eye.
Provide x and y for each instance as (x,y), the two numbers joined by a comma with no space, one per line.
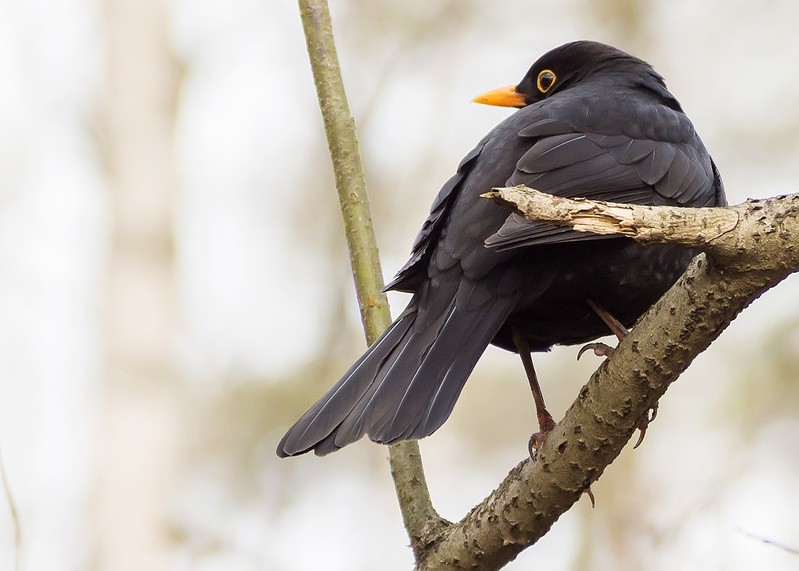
(546,79)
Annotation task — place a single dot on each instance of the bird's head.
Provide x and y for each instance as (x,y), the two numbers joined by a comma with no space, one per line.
(570,64)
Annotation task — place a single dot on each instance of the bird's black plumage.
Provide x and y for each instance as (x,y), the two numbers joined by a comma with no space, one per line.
(595,122)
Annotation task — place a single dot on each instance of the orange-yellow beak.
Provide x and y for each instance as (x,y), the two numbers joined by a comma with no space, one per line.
(502,97)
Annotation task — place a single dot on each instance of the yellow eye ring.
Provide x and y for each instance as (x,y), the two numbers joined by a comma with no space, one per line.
(546,79)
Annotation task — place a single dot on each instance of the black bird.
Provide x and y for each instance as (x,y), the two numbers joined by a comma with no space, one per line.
(593,122)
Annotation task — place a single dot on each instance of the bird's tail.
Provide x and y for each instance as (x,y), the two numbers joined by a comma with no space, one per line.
(405,386)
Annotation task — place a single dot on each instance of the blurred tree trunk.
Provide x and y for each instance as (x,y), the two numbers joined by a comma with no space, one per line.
(140,428)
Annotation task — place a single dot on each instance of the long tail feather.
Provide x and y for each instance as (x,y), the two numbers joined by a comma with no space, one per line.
(406,384)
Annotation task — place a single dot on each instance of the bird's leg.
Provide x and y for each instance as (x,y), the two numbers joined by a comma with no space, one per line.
(602,350)
(545,421)
(615,326)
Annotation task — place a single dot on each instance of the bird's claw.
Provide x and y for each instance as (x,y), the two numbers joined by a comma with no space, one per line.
(547,424)
(590,495)
(643,424)
(535,442)
(599,349)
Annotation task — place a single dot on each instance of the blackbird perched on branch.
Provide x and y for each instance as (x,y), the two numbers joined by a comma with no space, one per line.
(593,122)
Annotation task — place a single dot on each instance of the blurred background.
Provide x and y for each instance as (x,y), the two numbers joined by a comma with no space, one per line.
(175,289)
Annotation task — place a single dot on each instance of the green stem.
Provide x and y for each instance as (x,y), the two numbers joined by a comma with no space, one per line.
(406,466)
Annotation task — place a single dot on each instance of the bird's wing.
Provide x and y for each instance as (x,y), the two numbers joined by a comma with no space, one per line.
(643,165)
(408,276)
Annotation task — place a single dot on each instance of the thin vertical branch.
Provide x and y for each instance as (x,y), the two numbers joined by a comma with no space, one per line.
(418,513)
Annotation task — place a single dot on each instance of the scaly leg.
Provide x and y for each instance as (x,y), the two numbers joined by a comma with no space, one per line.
(545,422)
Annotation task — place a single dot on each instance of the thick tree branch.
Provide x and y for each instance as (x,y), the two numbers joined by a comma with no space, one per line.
(742,237)
(418,514)
(751,247)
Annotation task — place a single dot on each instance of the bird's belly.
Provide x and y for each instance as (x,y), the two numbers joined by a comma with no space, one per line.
(621,276)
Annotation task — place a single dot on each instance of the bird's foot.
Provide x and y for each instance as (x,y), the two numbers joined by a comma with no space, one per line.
(599,349)
(643,424)
(546,424)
